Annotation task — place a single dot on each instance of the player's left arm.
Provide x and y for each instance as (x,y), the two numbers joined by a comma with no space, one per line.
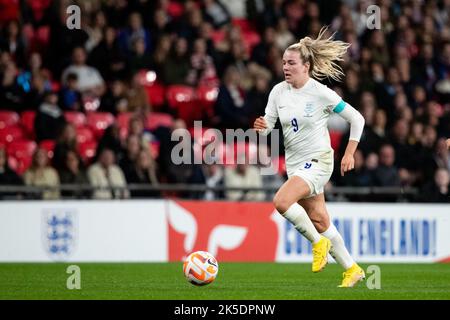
(356,121)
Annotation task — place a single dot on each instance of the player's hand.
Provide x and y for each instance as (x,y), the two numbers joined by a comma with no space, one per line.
(260,124)
(347,163)
(448,143)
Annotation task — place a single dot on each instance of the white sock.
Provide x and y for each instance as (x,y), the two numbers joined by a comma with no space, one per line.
(338,250)
(298,217)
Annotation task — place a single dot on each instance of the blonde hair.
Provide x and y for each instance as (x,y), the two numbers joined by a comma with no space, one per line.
(321,54)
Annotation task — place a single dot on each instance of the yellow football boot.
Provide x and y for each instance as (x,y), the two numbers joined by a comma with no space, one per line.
(352,276)
(320,254)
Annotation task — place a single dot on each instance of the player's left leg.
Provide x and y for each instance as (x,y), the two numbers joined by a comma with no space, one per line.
(317,212)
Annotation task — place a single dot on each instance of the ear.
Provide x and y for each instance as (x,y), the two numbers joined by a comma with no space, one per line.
(307,66)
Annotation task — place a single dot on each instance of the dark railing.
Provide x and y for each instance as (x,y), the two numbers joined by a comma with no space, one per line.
(184,190)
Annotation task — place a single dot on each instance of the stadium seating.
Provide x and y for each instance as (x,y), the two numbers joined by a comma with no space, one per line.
(21,153)
(245,24)
(154,149)
(335,138)
(84,134)
(281,165)
(49,146)
(122,121)
(99,121)
(155,90)
(11,134)
(8,118)
(207,96)
(156,119)
(182,99)
(27,121)
(78,119)
(87,151)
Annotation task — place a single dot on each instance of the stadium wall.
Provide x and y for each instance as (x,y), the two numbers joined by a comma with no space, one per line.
(167,230)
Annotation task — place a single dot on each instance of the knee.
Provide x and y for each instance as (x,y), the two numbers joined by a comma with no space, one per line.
(281,203)
(320,221)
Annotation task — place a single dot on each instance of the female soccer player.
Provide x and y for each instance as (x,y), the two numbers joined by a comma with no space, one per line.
(303,106)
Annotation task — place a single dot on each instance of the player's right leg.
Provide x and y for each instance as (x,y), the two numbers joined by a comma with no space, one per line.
(316,209)
(285,202)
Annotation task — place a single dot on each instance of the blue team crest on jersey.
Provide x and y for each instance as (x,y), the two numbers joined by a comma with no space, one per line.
(309,109)
(59,232)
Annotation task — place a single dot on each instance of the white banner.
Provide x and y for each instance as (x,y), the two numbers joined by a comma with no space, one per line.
(378,233)
(96,231)
(138,231)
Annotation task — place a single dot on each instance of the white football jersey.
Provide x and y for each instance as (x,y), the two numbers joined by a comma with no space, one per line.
(303,114)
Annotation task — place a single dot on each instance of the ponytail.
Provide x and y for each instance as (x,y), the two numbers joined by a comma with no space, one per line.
(321,54)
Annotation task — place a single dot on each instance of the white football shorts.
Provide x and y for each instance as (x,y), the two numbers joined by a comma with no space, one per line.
(316,172)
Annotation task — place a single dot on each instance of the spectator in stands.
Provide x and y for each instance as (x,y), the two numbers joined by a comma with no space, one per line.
(403,150)
(352,90)
(136,127)
(39,86)
(133,147)
(41,174)
(162,51)
(49,119)
(402,69)
(65,142)
(115,99)
(177,64)
(189,27)
(95,30)
(138,100)
(161,25)
(360,176)
(213,178)
(8,177)
(230,105)
(90,81)
(138,58)
(73,173)
(106,174)
(216,13)
(438,189)
(107,56)
(144,173)
(34,80)
(13,42)
(111,141)
(275,180)
(428,162)
(69,97)
(260,51)
(256,98)
(11,95)
(441,154)
(379,125)
(386,174)
(284,36)
(202,69)
(246,176)
(135,30)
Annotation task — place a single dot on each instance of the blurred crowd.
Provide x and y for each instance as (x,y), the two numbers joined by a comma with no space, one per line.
(128,55)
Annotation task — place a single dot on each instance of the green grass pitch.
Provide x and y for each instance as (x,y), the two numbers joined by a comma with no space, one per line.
(235,281)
